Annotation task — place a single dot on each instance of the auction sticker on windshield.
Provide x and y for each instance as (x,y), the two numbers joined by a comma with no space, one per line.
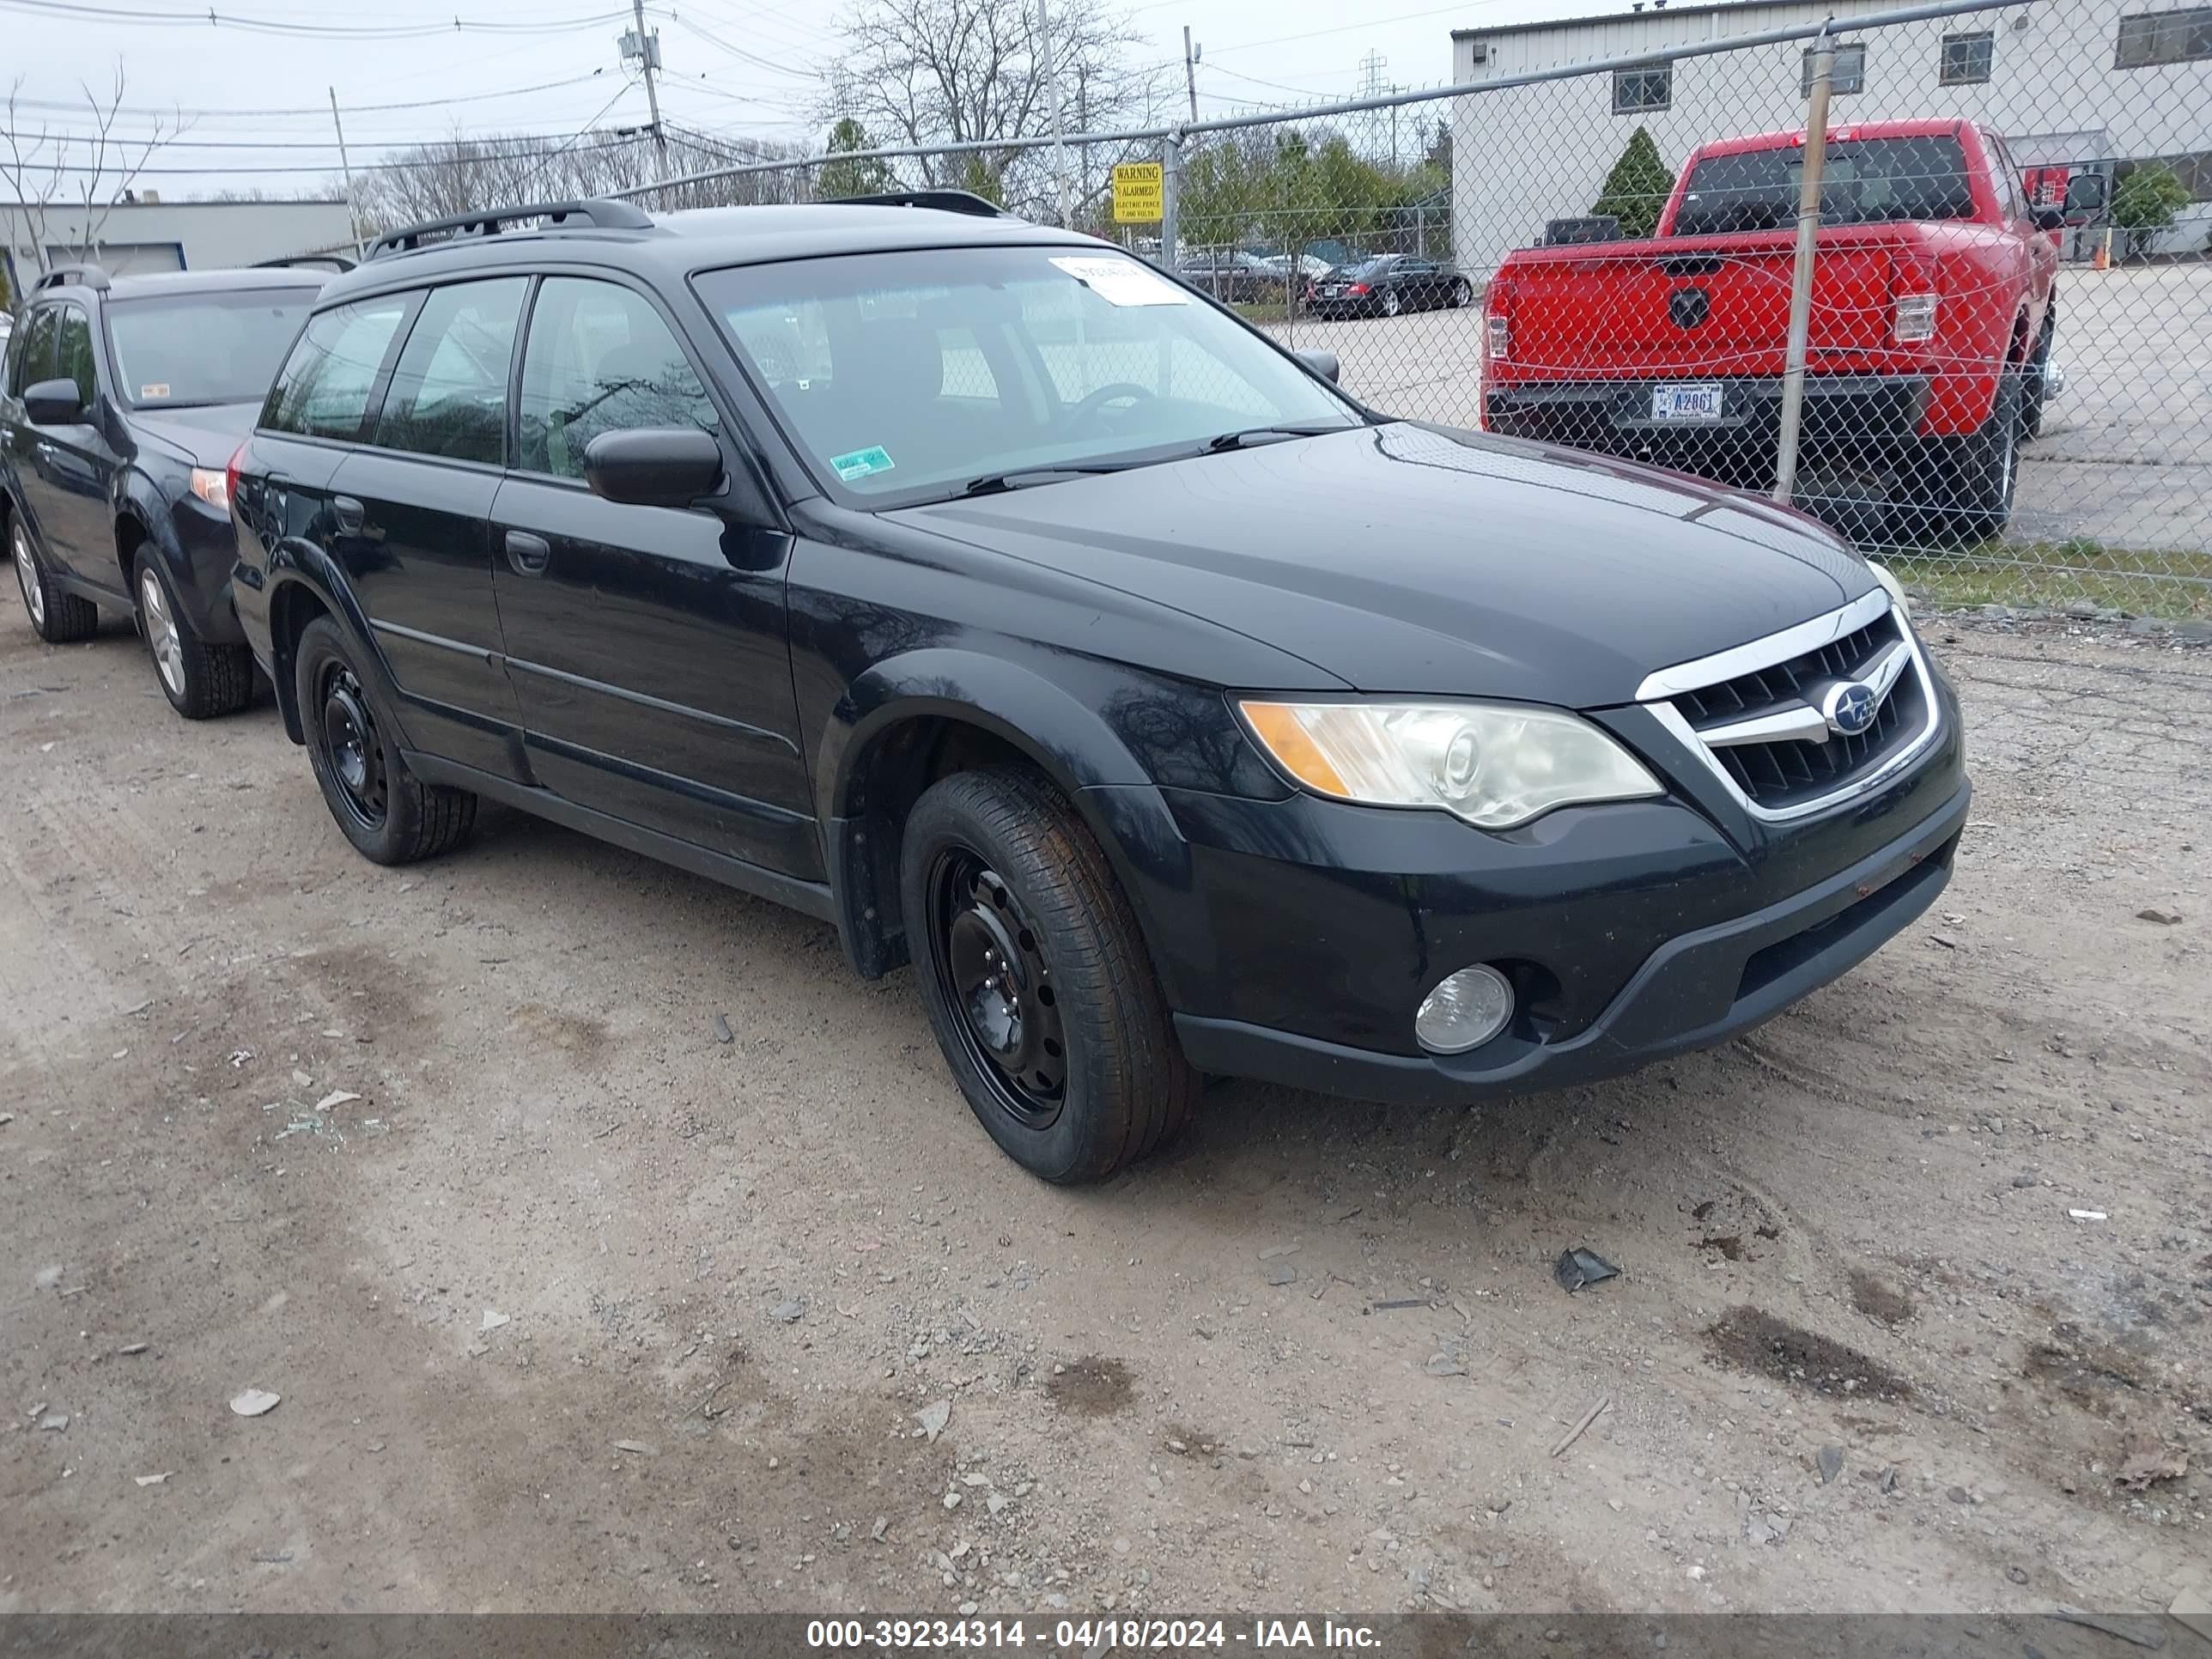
(1123,281)
(861,463)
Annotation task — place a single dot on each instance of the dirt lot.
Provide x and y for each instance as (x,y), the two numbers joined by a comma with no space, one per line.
(1314,1355)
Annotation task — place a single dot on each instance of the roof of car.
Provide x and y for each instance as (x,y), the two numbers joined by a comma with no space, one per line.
(675,245)
(192,281)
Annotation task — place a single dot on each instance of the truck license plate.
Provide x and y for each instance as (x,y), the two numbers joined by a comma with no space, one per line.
(1686,403)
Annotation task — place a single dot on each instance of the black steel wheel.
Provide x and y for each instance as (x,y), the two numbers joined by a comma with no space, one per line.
(992,969)
(390,815)
(1036,978)
(346,729)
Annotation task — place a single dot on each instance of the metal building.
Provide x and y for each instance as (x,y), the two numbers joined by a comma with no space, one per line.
(146,235)
(2070,84)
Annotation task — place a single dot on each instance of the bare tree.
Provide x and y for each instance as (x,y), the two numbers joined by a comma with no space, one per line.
(64,184)
(967,71)
(472,174)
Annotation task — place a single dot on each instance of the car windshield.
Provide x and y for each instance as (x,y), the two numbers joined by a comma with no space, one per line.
(1864,181)
(183,348)
(916,375)
(1373,267)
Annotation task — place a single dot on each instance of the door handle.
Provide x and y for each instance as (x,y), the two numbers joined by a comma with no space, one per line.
(350,514)
(528,554)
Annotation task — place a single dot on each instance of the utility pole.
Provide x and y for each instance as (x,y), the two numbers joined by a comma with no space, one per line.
(345,167)
(1052,106)
(648,53)
(1800,274)
(1190,71)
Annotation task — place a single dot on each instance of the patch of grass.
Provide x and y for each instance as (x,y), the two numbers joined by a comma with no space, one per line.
(2143,582)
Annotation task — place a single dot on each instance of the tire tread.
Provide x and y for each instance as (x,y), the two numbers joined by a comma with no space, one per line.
(1145,1090)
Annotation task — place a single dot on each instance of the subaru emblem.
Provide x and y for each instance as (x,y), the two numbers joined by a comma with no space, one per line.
(1850,707)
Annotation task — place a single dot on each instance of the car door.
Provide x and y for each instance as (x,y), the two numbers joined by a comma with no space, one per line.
(648,645)
(31,362)
(410,512)
(73,464)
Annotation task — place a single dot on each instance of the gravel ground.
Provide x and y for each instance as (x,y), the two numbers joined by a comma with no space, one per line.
(571,1304)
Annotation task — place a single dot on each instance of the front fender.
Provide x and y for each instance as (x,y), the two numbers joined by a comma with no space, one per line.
(1066,738)
(199,575)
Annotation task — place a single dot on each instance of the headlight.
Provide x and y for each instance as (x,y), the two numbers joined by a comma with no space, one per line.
(211,485)
(1883,574)
(1494,764)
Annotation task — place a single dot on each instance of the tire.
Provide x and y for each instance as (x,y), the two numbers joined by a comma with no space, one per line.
(1962,488)
(200,680)
(1392,304)
(1462,294)
(58,616)
(1005,890)
(2034,393)
(390,815)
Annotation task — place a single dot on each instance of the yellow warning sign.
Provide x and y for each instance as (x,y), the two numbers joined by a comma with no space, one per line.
(1138,187)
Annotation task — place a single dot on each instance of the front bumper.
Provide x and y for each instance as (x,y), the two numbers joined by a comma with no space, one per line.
(1308,930)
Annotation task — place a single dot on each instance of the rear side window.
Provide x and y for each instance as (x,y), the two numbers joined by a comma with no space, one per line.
(1865,182)
(322,391)
(448,391)
(74,360)
(599,359)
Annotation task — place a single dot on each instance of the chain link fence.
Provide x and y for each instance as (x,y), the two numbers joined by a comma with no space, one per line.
(2004,325)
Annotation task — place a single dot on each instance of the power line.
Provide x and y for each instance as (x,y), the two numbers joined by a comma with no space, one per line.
(540,171)
(317,111)
(613,140)
(1363,23)
(212,19)
(739,53)
(751,17)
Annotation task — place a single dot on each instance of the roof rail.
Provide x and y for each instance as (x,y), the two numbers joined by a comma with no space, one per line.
(78,276)
(944,201)
(337,263)
(602,215)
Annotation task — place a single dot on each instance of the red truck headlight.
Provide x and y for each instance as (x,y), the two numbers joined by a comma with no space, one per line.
(1501,338)
(1916,318)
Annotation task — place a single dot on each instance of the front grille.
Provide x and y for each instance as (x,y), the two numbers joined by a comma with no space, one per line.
(1792,772)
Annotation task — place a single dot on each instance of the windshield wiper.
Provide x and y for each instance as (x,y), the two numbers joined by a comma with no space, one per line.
(1252,435)
(1022,478)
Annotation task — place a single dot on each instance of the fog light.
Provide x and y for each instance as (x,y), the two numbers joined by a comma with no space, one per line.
(1465,1010)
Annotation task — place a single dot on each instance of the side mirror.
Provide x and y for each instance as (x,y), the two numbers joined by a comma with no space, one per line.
(2085,193)
(1323,364)
(53,403)
(656,467)
(2050,218)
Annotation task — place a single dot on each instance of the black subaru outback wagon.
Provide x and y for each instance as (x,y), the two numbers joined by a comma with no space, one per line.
(982,590)
(122,400)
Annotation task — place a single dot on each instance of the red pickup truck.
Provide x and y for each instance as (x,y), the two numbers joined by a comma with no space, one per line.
(1931,325)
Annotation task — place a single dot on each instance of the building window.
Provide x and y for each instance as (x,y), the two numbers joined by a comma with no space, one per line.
(1639,91)
(1851,69)
(2165,37)
(1966,58)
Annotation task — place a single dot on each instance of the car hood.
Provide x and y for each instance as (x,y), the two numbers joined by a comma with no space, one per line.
(1409,558)
(208,435)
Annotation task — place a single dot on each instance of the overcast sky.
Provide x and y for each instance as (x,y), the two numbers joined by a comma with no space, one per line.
(258,101)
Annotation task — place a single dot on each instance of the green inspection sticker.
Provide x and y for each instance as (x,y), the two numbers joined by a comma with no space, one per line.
(861,464)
